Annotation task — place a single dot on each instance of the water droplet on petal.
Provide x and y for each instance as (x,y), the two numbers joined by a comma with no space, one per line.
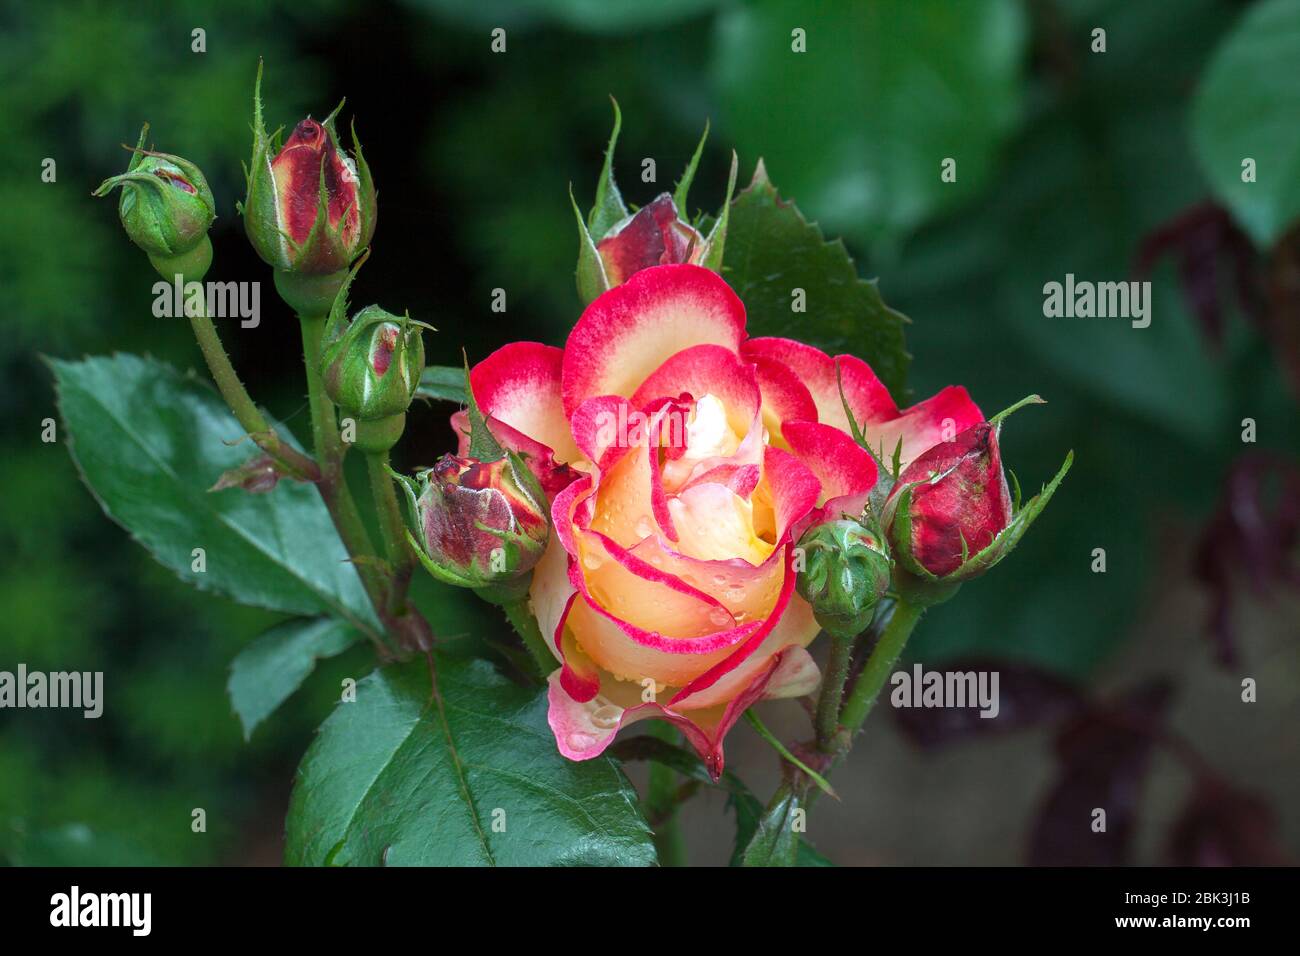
(580,741)
(719,617)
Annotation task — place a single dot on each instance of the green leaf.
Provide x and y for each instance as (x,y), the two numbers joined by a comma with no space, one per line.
(417,774)
(885,92)
(442,383)
(276,663)
(149,442)
(1246,107)
(774,842)
(772,250)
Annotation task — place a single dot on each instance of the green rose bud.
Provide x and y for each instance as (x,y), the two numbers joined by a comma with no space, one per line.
(371,367)
(845,572)
(166,208)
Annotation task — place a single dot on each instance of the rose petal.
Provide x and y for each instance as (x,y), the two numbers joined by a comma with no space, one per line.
(632,329)
(846,471)
(790,624)
(707,370)
(865,393)
(785,397)
(519,384)
(939,418)
(748,591)
(583,729)
(634,654)
(792,486)
(631,589)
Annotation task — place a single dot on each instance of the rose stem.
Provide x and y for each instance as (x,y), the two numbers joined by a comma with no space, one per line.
(392,528)
(862,697)
(333,485)
(232,389)
(827,719)
(882,660)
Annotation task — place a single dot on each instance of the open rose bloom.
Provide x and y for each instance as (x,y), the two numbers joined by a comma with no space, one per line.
(682,461)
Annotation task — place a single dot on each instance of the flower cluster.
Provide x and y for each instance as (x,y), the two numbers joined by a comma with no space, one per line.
(681,508)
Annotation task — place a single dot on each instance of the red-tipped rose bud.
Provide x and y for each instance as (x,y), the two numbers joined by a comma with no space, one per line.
(166,209)
(653,236)
(951,516)
(310,208)
(480,523)
(959,504)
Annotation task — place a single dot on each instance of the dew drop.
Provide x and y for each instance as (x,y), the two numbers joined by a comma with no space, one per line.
(580,741)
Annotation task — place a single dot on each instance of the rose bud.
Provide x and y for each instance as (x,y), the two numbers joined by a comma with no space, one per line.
(653,236)
(845,572)
(371,368)
(951,515)
(614,243)
(480,523)
(310,208)
(166,209)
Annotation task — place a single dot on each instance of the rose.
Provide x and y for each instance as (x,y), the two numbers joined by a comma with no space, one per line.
(683,461)
(310,207)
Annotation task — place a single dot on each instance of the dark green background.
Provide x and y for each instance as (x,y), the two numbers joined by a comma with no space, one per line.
(1065,160)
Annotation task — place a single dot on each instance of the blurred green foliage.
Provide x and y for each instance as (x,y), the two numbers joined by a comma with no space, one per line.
(1065,160)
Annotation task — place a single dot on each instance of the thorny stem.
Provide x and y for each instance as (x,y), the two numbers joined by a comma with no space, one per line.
(326,472)
(882,660)
(861,698)
(392,528)
(324,422)
(827,719)
(246,412)
(409,628)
